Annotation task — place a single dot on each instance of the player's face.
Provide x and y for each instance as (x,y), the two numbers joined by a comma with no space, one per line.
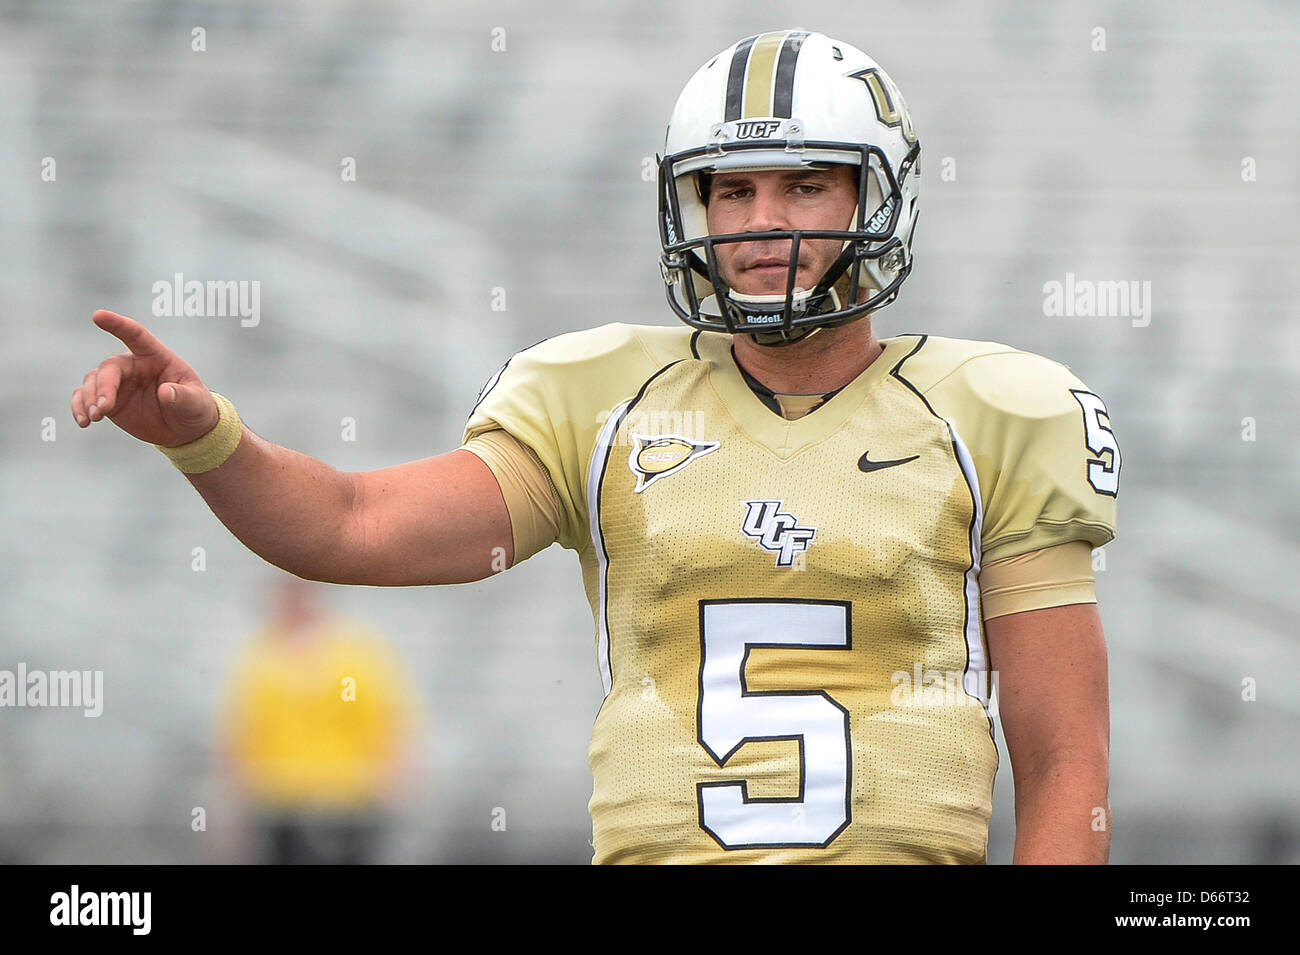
(779,199)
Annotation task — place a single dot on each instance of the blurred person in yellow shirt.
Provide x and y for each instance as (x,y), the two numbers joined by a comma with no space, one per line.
(315,732)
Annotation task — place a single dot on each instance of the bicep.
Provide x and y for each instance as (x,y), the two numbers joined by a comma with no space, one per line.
(1052,685)
(439,520)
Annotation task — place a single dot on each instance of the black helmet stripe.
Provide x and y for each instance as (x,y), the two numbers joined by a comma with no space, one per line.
(736,78)
(760,80)
(785,73)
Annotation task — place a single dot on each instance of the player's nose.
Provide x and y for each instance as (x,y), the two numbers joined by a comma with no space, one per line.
(768,210)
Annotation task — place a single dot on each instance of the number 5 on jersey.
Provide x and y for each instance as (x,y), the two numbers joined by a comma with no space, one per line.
(731,715)
(1103,475)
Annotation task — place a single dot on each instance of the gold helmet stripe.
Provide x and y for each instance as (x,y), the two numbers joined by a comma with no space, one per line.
(761,75)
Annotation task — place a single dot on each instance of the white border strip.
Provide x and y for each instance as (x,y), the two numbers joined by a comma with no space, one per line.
(976,678)
(599,455)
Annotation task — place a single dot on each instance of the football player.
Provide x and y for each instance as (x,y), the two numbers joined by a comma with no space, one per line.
(811,554)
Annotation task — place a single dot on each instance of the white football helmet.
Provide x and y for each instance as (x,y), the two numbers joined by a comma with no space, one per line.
(776,101)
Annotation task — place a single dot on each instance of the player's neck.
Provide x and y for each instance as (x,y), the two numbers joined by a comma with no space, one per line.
(823,362)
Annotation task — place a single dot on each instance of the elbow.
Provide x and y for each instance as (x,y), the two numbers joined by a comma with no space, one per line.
(1080,764)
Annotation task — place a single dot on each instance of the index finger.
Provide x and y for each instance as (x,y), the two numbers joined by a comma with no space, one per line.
(130,332)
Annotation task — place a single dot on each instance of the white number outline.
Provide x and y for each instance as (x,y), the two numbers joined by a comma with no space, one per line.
(1099,438)
(842,641)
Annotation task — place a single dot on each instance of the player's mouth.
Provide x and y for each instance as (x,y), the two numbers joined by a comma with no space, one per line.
(769,266)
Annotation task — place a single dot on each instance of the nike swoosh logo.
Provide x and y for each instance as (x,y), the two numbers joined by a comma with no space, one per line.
(865,465)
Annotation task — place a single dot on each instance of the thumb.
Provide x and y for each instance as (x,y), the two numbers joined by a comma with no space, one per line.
(188,410)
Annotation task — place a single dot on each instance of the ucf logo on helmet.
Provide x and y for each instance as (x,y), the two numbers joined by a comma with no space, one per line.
(762,129)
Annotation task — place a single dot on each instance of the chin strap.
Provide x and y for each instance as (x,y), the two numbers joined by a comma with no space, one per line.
(773,304)
(772,339)
(831,302)
(824,294)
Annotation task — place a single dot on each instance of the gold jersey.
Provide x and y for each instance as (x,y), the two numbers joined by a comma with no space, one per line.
(788,621)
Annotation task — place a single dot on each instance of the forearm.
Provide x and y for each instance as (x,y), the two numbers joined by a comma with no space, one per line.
(1063,814)
(288,508)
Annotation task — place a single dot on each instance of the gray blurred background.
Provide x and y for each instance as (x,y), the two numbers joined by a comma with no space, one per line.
(484,171)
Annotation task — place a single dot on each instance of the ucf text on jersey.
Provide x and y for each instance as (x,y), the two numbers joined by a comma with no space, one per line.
(787,612)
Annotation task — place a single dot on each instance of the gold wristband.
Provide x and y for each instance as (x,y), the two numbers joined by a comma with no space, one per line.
(211,450)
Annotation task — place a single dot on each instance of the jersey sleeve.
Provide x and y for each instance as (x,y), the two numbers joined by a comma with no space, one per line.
(531,499)
(1049,577)
(1042,447)
(553,398)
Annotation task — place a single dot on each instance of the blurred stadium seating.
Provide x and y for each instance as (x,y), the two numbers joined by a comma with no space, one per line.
(521,170)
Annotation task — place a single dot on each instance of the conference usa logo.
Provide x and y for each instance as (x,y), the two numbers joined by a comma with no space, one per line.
(777,531)
(657,456)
